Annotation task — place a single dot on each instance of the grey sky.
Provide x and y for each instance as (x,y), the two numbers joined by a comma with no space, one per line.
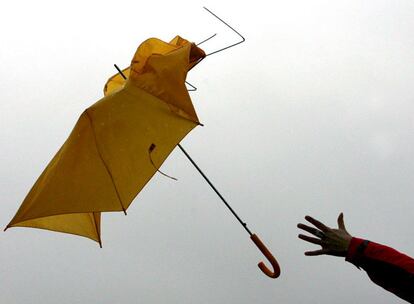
(313,114)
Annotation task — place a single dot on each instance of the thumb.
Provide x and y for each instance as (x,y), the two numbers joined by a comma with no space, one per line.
(341,223)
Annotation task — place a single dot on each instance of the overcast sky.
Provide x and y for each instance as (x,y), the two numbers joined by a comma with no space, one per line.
(313,114)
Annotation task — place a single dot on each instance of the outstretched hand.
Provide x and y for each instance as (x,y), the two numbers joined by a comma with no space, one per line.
(333,241)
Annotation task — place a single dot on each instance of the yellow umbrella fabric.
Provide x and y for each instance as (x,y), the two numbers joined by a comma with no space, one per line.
(117,144)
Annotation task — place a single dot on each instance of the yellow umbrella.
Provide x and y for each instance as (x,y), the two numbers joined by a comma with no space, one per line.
(119,143)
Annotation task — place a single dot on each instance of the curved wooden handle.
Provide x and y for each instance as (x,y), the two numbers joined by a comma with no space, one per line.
(276,269)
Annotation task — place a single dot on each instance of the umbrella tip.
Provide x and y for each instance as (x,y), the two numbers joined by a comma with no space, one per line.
(125,212)
(7,227)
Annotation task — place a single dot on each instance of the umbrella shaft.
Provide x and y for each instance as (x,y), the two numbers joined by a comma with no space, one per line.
(202,174)
(215,190)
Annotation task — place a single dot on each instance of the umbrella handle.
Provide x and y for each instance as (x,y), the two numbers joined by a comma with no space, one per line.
(276,269)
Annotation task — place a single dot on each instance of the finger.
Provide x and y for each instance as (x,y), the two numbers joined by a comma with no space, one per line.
(316,223)
(341,223)
(308,228)
(317,252)
(310,239)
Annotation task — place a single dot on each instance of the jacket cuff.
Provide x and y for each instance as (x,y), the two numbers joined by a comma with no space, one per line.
(356,250)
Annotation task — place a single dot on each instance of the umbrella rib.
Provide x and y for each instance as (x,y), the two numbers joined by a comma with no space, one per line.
(230,27)
(205,40)
(103,161)
(97,230)
(193,88)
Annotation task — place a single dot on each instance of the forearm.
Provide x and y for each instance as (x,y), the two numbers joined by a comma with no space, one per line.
(385,266)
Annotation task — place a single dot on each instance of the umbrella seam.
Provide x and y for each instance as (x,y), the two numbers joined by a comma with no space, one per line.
(103,161)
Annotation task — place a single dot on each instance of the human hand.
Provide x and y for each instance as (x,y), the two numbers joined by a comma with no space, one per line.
(333,241)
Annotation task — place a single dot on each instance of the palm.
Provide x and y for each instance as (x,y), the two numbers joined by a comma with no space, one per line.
(334,241)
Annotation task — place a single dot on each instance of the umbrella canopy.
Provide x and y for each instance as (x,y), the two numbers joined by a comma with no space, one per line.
(117,144)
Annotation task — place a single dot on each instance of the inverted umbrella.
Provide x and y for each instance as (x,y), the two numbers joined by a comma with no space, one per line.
(119,143)
(116,144)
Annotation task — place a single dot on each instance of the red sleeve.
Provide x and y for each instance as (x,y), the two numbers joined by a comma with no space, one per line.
(385,266)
